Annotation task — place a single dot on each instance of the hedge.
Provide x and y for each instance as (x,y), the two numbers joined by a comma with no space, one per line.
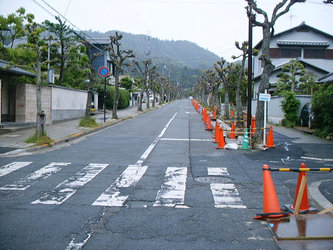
(124,97)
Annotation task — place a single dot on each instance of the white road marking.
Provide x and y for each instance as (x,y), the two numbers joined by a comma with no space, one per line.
(316,159)
(42,173)
(69,187)
(184,139)
(226,195)
(111,196)
(172,192)
(6,169)
(218,171)
(152,146)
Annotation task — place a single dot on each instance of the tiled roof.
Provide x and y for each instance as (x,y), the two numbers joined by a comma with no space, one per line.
(303,43)
(5,67)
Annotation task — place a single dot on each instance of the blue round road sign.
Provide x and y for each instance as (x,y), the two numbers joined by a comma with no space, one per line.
(103,71)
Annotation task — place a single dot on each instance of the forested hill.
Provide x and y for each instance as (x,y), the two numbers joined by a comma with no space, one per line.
(181,60)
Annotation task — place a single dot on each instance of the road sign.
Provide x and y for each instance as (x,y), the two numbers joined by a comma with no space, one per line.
(103,71)
(264,97)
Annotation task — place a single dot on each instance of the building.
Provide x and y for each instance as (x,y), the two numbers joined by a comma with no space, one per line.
(96,51)
(310,46)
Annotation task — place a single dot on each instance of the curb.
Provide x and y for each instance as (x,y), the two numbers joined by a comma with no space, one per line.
(316,195)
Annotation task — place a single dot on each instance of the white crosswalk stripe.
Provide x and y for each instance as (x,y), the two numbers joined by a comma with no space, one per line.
(42,173)
(225,195)
(11,167)
(171,193)
(67,188)
(111,196)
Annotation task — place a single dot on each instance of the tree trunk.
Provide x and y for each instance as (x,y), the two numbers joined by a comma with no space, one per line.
(40,114)
(264,79)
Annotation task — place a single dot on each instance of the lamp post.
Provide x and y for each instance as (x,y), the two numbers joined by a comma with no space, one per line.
(249,70)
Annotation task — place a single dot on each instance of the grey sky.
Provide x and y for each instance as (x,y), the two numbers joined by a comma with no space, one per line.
(212,24)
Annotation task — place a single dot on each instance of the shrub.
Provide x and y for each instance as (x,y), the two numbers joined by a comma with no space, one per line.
(88,122)
(290,107)
(44,139)
(322,106)
(123,101)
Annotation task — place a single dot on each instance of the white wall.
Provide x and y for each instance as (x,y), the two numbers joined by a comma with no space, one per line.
(274,110)
(67,103)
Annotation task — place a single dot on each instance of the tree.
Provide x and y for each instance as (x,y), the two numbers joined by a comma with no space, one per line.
(64,35)
(126,83)
(267,29)
(222,68)
(11,28)
(37,44)
(244,49)
(290,76)
(118,59)
(144,68)
(322,105)
(308,83)
(290,107)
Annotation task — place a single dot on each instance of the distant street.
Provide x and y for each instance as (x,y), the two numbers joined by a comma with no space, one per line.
(156,181)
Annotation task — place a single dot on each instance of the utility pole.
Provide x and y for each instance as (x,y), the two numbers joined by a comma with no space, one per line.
(249,70)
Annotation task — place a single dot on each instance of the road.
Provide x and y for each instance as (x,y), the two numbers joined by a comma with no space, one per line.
(152,182)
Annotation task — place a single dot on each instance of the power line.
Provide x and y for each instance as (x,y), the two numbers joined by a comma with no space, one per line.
(66,19)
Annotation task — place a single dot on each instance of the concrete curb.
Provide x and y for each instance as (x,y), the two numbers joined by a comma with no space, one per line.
(316,195)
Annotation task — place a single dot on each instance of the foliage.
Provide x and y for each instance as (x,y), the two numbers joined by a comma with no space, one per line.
(126,83)
(124,97)
(290,77)
(322,105)
(41,140)
(290,107)
(88,122)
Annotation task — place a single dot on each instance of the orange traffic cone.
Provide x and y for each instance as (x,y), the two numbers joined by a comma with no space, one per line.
(209,126)
(214,114)
(233,128)
(270,138)
(221,142)
(217,132)
(270,200)
(232,113)
(253,125)
(304,206)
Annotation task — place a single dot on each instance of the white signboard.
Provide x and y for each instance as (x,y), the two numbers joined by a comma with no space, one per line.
(264,97)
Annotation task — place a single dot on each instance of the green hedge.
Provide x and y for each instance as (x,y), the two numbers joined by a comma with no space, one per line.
(124,97)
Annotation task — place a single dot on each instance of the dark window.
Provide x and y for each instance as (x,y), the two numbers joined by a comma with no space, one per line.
(314,53)
(290,53)
(274,52)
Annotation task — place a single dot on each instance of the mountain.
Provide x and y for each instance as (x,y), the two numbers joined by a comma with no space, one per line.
(182,61)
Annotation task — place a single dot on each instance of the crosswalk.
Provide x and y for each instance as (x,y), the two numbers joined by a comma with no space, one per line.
(172,191)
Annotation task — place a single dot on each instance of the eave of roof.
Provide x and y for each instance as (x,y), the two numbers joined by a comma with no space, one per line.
(13,70)
(326,78)
(302,25)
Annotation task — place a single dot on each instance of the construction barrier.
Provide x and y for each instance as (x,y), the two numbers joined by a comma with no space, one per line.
(301,205)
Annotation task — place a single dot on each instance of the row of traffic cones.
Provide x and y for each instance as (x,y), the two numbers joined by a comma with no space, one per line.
(271,205)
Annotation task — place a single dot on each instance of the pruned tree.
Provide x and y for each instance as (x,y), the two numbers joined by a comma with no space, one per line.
(267,30)
(118,59)
(222,67)
(144,68)
(64,36)
(37,44)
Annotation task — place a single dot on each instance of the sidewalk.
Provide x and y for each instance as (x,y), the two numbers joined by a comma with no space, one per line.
(13,142)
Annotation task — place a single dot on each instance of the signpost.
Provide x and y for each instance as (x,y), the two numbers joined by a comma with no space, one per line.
(265,98)
(104,72)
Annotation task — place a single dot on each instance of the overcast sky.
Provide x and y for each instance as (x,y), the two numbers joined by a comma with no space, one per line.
(212,24)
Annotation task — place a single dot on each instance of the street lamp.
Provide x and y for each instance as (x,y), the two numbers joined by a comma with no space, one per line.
(249,68)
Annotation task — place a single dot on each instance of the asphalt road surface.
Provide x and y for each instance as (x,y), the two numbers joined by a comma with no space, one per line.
(152,182)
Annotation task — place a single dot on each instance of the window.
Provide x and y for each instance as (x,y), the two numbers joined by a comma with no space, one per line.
(314,53)
(290,53)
